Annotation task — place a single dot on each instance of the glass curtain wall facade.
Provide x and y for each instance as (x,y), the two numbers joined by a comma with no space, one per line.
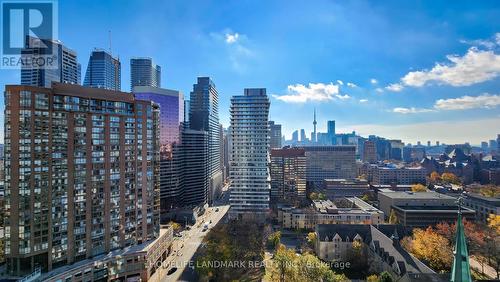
(171,104)
(204,115)
(144,72)
(103,71)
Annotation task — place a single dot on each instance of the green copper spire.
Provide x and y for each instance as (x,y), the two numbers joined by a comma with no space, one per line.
(461,268)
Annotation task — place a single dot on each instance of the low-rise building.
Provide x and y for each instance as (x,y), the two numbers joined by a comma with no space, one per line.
(134,263)
(421,209)
(424,216)
(484,206)
(339,188)
(397,174)
(348,210)
(380,244)
(388,199)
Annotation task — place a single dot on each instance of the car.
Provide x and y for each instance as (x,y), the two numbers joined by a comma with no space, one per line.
(179,254)
(171,270)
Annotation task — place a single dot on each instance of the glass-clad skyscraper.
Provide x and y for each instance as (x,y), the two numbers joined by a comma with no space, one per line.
(103,71)
(67,69)
(204,115)
(144,72)
(171,104)
(249,162)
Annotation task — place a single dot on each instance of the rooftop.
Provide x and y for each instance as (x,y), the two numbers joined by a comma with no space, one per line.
(414,195)
(490,200)
(434,208)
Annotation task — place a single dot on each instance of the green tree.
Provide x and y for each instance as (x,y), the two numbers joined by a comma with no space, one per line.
(313,196)
(385,277)
(372,278)
(365,198)
(274,239)
(321,196)
(2,252)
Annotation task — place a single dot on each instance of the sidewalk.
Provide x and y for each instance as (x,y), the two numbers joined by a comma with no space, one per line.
(488,270)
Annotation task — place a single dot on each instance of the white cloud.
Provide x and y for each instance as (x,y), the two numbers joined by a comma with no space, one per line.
(352,85)
(487,43)
(474,67)
(394,87)
(411,110)
(468,102)
(232,37)
(485,101)
(316,92)
(373,81)
(343,97)
(340,82)
(379,90)
(363,100)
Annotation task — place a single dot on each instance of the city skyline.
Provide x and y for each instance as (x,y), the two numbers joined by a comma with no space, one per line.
(410,86)
(185,141)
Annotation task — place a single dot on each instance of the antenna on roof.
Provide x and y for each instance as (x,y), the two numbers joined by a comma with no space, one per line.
(109,34)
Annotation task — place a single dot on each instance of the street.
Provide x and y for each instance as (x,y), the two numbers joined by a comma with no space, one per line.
(184,248)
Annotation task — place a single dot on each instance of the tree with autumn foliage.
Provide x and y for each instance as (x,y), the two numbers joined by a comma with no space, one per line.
(175,226)
(490,191)
(287,266)
(493,243)
(474,234)
(418,188)
(434,178)
(311,238)
(430,247)
(393,218)
(450,178)
(494,222)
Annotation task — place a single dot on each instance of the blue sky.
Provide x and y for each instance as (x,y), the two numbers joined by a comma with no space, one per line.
(412,70)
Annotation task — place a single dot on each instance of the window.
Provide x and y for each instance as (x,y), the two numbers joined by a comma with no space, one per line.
(25,99)
(41,101)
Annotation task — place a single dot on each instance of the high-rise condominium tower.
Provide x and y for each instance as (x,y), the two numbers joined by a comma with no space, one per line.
(331,132)
(275,135)
(81,174)
(369,152)
(249,168)
(288,175)
(103,71)
(171,104)
(144,72)
(204,115)
(67,69)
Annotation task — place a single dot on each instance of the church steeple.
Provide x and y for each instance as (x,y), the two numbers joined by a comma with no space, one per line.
(461,268)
